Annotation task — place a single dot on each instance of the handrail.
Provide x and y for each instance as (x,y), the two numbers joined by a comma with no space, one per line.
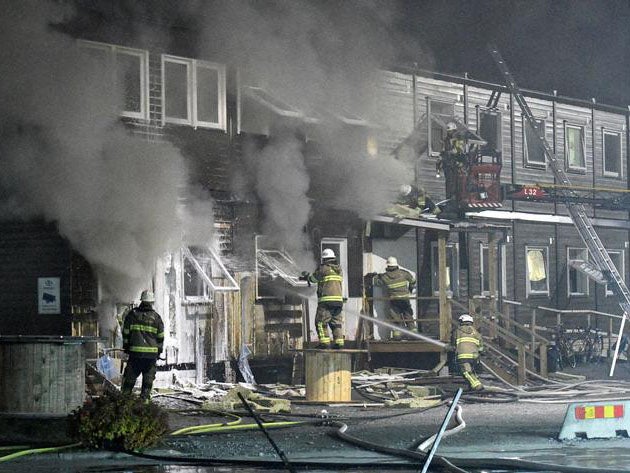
(562,311)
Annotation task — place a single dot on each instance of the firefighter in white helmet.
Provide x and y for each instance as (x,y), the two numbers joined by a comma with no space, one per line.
(399,284)
(467,343)
(329,315)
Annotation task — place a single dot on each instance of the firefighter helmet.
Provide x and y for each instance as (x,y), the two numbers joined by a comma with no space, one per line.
(405,189)
(328,254)
(451,126)
(392,262)
(147,296)
(465,318)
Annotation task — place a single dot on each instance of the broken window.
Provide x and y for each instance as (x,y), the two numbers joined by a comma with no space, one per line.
(574,147)
(128,68)
(452,269)
(194,92)
(537,269)
(577,281)
(617,258)
(274,265)
(489,128)
(533,148)
(204,273)
(444,111)
(612,153)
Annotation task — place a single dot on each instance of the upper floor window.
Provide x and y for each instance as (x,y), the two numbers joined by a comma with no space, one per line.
(612,153)
(574,147)
(452,268)
(533,149)
(617,258)
(193,92)
(537,258)
(577,281)
(129,71)
(442,111)
(489,128)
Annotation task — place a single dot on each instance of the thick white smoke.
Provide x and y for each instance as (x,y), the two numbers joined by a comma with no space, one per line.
(67,158)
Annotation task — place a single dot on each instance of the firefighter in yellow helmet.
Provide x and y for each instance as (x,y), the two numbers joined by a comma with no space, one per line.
(468,344)
(329,280)
(399,284)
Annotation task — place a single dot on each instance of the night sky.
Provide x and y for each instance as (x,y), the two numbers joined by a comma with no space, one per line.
(579,47)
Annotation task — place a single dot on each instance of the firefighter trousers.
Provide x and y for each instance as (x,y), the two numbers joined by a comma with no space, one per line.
(401,314)
(329,315)
(469,375)
(136,367)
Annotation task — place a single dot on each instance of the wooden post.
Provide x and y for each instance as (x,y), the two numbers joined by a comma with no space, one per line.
(520,376)
(493,277)
(532,348)
(445,307)
(543,360)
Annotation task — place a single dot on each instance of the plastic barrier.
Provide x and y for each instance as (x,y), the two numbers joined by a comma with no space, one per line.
(605,419)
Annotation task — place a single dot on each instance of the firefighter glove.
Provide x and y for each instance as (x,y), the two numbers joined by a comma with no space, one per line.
(304,276)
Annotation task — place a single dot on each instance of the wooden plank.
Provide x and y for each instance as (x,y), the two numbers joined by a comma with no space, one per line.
(405,346)
(328,375)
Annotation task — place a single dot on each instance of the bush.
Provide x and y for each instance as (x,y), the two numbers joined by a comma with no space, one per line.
(118,422)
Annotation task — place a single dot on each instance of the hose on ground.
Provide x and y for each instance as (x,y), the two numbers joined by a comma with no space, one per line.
(32,451)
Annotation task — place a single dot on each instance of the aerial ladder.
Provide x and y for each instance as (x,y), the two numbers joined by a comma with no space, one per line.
(578,214)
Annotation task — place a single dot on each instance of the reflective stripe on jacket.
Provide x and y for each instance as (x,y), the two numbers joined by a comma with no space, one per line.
(468,342)
(143,332)
(329,280)
(398,283)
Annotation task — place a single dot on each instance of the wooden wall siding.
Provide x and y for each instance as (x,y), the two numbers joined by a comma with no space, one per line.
(29,251)
(396,113)
(478,99)
(41,378)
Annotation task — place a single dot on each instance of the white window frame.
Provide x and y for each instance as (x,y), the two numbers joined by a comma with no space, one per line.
(430,112)
(210,287)
(529,290)
(192,66)
(569,167)
(622,270)
(113,50)
(618,158)
(342,257)
(529,163)
(579,273)
(490,111)
(454,272)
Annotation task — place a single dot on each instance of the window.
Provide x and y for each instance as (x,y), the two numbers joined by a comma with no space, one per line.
(485,270)
(612,153)
(193,92)
(489,128)
(443,112)
(340,247)
(533,148)
(452,268)
(196,288)
(617,258)
(577,281)
(537,269)
(129,74)
(574,147)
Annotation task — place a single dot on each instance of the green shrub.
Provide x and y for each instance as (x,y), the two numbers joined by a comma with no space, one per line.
(118,422)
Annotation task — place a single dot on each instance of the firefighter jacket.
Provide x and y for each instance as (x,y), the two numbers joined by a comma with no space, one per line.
(453,144)
(329,280)
(467,342)
(398,282)
(143,332)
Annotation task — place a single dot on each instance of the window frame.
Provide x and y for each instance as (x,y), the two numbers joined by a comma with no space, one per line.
(569,167)
(622,271)
(431,101)
(618,134)
(484,247)
(206,267)
(535,292)
(342,257)
(526,161)
(113,50)
(453,273)
(580,274)
(192,92)
(492,111)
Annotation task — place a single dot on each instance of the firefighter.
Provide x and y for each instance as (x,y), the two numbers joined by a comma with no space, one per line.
(329,280)
(399,284)
(143,340)
(467,343)
(452,162)
(416,198)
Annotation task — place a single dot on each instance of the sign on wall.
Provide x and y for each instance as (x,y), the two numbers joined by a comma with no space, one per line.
(48,296)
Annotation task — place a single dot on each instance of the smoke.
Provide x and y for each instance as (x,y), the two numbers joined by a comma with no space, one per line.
(322,58)
(67,158)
